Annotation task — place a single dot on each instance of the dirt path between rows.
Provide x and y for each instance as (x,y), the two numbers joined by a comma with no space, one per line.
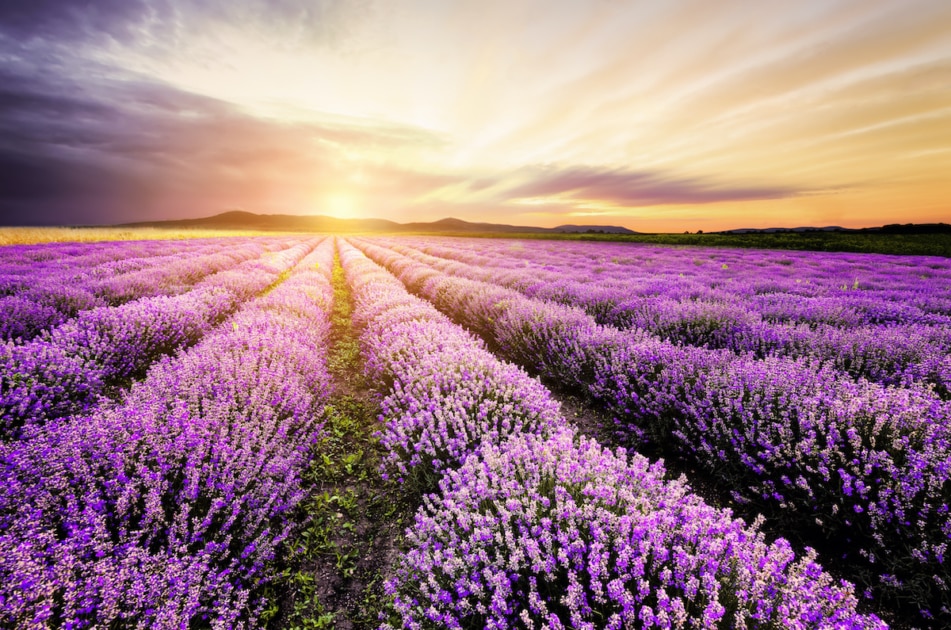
(354,519)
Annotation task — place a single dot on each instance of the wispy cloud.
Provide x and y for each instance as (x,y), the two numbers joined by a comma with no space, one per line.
(833,111)
(131,149)
(624,187)
(164,25)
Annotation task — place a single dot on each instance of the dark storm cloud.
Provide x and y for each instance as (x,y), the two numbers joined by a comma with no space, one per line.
(633,188)
(123,149)
(69,20)
(43,134)
(35,110)
(35,179)
(165,23)
(47,190)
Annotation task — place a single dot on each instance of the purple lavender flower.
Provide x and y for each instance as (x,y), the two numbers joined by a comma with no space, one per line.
(561,533)
(773,431)
(64,371)
(168,509)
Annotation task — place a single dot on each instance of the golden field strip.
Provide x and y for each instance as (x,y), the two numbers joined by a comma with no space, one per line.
(33,235)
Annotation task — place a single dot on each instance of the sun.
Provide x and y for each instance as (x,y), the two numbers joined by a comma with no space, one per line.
(340,205)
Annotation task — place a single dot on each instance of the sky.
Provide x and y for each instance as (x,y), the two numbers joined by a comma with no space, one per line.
(659,116)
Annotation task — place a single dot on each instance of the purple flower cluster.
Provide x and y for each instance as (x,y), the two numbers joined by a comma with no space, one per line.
(534,526)
(63,371)
(863,463)
(176,273)
(20,265)
(893,330)
(561,533)
(27,314)
(447,395)
(38,296)
(869,288)
(165,511)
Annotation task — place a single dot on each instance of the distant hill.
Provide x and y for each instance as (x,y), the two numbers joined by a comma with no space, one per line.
(240,220)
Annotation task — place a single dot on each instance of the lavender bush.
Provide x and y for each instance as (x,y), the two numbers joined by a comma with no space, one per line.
(41,296)
(65,370)
(447,396)
(560,533)
(535,528)
(873,333)
(166,511)
(826,454)
(24,316)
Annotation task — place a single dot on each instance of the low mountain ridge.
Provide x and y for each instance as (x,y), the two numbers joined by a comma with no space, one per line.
(242,220)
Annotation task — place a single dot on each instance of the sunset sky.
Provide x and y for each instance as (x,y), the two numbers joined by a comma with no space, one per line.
(657,116)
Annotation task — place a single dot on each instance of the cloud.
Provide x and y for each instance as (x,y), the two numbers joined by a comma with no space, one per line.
(123,149)
(625,187)
(135,109)
(167,24)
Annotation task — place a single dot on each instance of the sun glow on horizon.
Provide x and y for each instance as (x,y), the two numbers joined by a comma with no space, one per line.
(341,205)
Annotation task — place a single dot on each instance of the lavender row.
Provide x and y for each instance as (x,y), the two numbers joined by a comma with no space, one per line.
(168,511)
(892,290)
(558,532)
(808,289)
(896,354)
(791,286)
(534,525)
(51,298)
(72,252)
(447,393)
(64,371)
(18,269)
(179,270)
(864,465)
(23,260)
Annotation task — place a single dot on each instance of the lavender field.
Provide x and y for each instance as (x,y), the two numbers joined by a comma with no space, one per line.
(417,432)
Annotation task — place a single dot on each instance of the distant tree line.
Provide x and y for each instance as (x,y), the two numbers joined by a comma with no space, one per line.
(916,228)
